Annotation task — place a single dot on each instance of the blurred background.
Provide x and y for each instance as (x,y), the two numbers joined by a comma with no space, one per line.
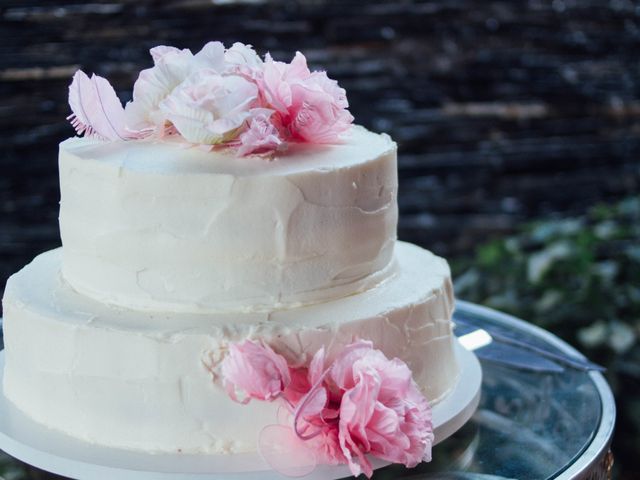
(518,125)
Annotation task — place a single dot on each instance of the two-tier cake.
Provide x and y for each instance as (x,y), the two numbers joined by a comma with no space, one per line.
(184,235)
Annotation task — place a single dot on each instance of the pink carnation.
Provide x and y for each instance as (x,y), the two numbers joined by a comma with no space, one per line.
(309,106)
(362,403)
(382,411)
(260,136)
(254,370)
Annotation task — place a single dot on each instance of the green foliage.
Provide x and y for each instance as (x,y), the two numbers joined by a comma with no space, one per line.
(579,278)
(11,469)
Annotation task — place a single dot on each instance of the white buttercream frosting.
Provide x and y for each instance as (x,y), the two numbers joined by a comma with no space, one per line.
(160,226)
(146,380)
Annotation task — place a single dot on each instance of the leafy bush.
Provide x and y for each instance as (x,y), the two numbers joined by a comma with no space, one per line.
(579,278)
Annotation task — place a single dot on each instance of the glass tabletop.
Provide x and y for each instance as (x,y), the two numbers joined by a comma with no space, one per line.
(529,425)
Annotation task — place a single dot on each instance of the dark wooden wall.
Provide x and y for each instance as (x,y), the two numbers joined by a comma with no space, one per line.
(503,110)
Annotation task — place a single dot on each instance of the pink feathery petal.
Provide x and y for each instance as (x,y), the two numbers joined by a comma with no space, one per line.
(260,137)
(418,426)
(316,367)
(311,407)
(342,368)
(330,413)
(395,375)
(255,371)
(327,446)
(410,440)
(385,436)
(384,421)
(396,380)
(242,54)
(298,387)
(211,56)
(161,51)
(298,69)
(285,452)
(110,116)
(357,408)
(79,118)
(242,59)
(356,459)
(273,88)
(318,120)
(352,433)
(96,108)
(331,87)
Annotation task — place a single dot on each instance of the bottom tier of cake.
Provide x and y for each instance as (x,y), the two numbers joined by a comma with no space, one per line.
(149,381)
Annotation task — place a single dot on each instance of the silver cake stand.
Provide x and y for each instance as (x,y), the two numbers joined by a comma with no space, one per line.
(58,453)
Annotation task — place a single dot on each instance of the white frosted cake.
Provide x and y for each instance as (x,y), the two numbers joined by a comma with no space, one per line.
(172,253)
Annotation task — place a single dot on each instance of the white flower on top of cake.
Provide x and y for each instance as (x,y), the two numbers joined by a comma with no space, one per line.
(171,67)
(208,107)
(243,59)
(219,98)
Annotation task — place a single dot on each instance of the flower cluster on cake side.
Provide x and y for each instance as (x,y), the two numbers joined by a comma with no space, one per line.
(216,98)
(335,413)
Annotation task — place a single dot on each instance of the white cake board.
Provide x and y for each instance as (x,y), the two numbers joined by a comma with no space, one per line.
(58,453)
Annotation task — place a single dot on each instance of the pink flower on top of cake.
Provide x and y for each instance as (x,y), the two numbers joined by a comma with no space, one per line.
(243,60)
(359,404)
(216,98)
(309,106)
(260,136)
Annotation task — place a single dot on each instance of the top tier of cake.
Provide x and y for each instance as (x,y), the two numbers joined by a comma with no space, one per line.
(159,226)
